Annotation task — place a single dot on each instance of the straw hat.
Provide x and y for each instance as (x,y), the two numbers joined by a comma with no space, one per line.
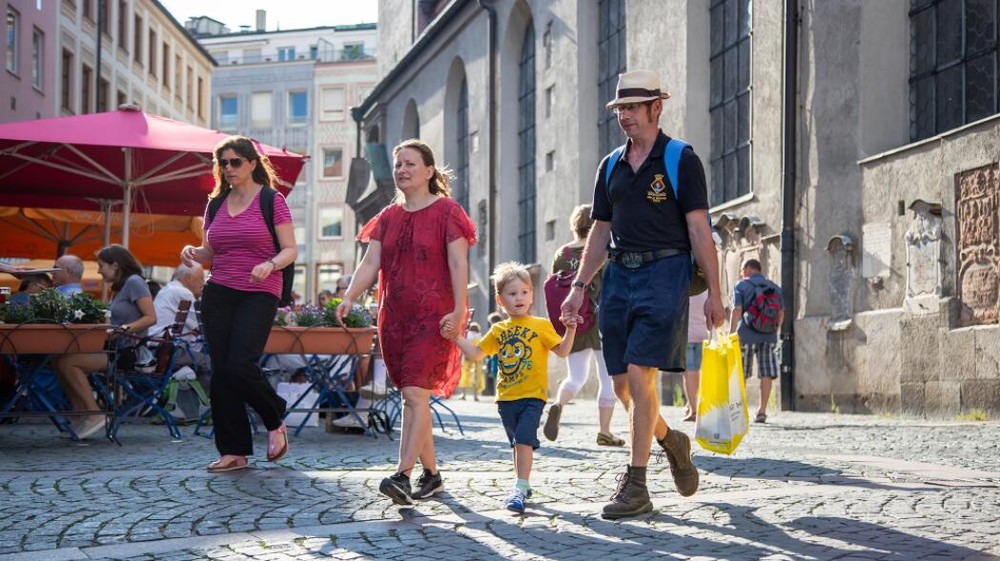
(637,86)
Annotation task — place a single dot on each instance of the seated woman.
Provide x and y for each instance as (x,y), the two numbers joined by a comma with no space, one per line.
(31,284)
(131,310)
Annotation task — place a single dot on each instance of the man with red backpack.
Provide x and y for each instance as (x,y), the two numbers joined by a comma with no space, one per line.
(758,311)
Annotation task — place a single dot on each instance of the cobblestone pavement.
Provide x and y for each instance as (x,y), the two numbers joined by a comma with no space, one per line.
(801,487)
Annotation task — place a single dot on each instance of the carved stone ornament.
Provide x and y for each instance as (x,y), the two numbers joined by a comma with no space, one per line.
(977,210)
(841,281)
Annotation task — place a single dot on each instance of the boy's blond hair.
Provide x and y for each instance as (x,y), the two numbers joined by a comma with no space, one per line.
(507,272)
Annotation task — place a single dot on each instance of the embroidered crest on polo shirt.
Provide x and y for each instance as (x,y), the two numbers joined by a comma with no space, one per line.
(657,190)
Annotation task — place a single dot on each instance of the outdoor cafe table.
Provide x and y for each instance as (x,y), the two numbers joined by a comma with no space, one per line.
(331,355)
(45,341)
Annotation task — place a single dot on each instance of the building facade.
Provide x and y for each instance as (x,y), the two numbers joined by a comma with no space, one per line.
(890,219)
(50,51)
(29,81)
(294,89)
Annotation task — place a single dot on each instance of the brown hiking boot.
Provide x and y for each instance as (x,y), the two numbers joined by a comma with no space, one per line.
(551,428)
(631,498)
(677,446)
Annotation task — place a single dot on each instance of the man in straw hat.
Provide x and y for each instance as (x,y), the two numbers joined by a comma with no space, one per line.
(648,235)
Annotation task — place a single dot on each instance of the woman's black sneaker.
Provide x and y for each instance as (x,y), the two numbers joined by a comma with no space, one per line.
(428,485)
(397,488)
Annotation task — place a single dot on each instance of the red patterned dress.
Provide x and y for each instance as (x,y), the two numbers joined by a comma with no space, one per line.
(415,292)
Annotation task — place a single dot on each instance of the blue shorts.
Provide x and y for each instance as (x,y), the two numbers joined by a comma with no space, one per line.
(643,315)
(521,418)
(693,355)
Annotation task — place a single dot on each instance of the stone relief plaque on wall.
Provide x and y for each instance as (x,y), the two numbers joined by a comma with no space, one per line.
(877,256)
(842,274)
(923,258)
(977,209)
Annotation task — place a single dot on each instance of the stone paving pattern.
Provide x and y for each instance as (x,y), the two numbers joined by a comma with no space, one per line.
(801,487)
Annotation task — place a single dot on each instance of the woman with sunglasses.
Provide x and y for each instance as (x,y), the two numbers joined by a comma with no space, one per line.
(241,298)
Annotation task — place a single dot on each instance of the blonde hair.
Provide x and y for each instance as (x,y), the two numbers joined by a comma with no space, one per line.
(580,221)
(438,184)
(508,272)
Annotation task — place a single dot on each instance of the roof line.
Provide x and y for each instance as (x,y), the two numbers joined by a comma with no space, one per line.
(184,31)
(422,44)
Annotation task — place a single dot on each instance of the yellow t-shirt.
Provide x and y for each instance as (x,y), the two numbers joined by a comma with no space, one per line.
(522,347)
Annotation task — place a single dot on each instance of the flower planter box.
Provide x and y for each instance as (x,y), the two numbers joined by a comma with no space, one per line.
(320,340)
(52,338)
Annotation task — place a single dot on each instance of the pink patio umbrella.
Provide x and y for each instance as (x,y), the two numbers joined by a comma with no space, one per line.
(151,164)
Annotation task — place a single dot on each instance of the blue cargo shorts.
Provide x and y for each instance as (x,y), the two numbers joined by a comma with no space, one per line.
(643,315)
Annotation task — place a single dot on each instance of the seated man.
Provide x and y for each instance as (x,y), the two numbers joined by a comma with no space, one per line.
(67,278)
(31,283)
(186,284)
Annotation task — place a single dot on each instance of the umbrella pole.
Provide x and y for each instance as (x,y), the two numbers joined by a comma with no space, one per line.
(106,209)
(127,203)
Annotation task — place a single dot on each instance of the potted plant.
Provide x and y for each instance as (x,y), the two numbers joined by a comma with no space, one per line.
(53,323)
(311,330)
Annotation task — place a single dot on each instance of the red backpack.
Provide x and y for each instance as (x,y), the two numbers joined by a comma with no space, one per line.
(557,286)
(764,308)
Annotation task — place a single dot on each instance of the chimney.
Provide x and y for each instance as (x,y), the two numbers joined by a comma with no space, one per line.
(261,20)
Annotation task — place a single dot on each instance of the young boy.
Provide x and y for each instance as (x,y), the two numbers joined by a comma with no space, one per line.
(522,344)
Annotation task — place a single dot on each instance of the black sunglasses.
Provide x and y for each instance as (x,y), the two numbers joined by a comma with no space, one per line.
(234,163)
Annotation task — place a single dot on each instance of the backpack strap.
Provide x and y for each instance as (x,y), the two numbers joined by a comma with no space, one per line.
(613,158)
(267,209)
(672,161)
(215,204)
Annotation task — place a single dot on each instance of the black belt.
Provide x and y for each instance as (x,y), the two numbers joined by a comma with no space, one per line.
(636,259)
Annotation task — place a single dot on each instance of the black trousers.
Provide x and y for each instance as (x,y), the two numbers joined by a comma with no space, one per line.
(237,324)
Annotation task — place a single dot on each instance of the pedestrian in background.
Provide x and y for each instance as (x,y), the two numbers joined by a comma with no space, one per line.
(697,332)
(758,312)
(522,343)
(651,235)
(473,371)
(241,297)
(419,245)
(586,345)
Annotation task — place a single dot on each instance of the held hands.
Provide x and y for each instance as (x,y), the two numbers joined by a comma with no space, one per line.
(449,325)
(571,307)
(570,321)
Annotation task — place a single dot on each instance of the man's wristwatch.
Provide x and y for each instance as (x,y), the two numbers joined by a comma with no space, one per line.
(578,284)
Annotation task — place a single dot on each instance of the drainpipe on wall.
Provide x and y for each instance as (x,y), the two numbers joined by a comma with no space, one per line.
(97,67)
(492,109)
(788,141)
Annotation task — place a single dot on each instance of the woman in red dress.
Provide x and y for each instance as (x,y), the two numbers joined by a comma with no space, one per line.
(419,245)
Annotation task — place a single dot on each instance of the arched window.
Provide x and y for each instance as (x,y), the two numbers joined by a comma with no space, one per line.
(461,190)
(526,149)
(611,62)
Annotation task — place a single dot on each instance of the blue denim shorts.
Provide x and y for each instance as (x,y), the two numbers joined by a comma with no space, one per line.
(521,418)
(644,314)
(693,355)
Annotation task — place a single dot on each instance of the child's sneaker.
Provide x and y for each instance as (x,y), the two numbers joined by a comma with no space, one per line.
(428,485)
(397,488)
(516,501)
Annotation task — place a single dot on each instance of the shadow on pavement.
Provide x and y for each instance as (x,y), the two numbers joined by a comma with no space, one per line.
(783,470)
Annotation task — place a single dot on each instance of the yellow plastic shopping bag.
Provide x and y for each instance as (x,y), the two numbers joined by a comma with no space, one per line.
(723,419)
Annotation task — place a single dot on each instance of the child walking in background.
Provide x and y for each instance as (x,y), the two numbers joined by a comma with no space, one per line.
(473,371)
(522,344)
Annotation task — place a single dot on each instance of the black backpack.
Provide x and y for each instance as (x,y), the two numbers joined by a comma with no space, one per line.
(267,209)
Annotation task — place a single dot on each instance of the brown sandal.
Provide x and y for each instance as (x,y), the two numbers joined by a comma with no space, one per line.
(234,463)
(609,440)
(274,453)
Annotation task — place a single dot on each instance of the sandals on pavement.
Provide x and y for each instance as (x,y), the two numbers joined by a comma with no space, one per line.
(609,440)
(761,418)
(276,451)
(228,463)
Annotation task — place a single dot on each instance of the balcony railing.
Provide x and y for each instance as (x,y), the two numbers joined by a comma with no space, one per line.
(343,55)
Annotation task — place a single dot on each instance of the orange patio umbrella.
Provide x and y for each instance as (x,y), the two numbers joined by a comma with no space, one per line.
(44,234)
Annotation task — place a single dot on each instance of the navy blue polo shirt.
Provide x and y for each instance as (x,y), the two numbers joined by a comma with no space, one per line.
(640,204)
